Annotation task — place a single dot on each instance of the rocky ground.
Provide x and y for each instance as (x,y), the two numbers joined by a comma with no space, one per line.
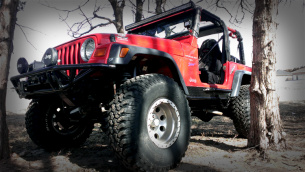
(214,146)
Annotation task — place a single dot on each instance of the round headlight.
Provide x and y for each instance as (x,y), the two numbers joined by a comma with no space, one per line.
(50,57)
(22,65)
(87,49)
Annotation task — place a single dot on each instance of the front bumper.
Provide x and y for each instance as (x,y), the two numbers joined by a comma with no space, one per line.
(54,79)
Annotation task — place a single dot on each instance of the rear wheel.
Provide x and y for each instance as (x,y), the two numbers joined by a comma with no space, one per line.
(50,126)
(149,123)
(240,111)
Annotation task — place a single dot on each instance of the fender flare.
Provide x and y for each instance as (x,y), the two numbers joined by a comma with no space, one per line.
(237,81)
(135,50)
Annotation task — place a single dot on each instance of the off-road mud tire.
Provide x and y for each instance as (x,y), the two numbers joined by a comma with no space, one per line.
(39,127)
(240,111)
(128,129)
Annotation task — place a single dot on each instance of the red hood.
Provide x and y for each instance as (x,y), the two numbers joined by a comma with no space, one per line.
(166,45)
(99,38)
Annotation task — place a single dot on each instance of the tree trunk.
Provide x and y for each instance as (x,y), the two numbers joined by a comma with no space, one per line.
(8,12)
(139,10)
(118,7)
(266,127)
(159,5)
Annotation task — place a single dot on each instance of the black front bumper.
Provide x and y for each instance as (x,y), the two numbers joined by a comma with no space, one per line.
(54,79)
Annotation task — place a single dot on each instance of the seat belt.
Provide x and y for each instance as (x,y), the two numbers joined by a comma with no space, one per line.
(211,49)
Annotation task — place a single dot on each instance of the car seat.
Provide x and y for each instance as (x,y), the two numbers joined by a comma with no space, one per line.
(210,62)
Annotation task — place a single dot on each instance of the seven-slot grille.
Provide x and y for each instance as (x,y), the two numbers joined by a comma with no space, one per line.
(69,54)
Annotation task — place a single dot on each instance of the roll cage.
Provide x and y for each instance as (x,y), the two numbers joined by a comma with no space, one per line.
(197,15)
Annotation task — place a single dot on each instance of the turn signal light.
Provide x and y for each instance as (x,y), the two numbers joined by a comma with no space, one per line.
(100,52)
(124,52)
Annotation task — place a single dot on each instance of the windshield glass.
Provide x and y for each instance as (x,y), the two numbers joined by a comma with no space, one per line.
(170,28)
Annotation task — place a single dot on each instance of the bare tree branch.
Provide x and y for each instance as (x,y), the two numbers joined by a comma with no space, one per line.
(236,12)
(64,10)
(76,29)
(220,5)
(26,27)
(21,28)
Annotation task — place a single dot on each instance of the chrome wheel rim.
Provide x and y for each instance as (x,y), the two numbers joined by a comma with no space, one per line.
(163,123)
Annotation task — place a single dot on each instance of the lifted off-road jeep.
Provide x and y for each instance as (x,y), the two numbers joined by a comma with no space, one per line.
(142,87)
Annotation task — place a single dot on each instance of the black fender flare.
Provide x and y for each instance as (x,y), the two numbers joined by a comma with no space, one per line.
(237,81)
(115,59)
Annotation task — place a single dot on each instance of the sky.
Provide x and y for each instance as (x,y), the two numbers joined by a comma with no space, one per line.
(42,28)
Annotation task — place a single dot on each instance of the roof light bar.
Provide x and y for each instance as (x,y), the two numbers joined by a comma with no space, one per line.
(160,16)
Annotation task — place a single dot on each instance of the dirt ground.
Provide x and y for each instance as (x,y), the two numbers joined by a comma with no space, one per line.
(213,147)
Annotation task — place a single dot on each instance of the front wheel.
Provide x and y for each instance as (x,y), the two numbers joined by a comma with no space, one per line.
(50,127)
(149,123)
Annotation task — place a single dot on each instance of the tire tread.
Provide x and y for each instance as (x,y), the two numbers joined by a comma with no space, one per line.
(121,123)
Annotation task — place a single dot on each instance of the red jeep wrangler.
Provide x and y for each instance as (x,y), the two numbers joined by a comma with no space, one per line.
(142,87)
